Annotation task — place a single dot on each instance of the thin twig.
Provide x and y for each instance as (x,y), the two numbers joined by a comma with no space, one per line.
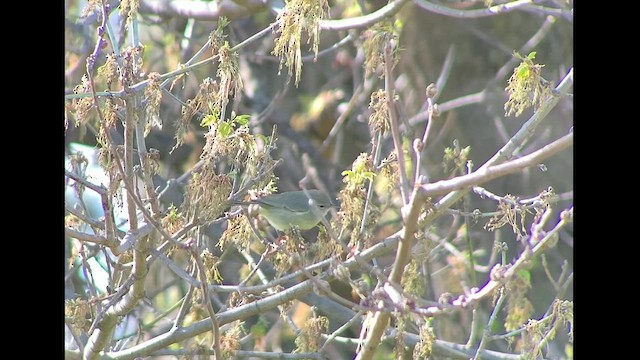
(359,22)
(244,354)
(166,77)
(565,218)
(84,237)
(487,329)
(419,197)
(339,330)
(203,11)
(419,146)
(311,57)
(146,173)
(190,279)
(97,188)
(479,13)
(86,219)
(255,267)
(525,49)
(186,304)
(355,99)
(367,203)
(129,126)
(395,121)
(76,338)
(461,101)
(485,174)
(206,298)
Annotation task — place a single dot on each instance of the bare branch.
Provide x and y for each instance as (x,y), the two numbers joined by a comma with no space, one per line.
(394,120)
(202,10)
(526,5)
(485,174)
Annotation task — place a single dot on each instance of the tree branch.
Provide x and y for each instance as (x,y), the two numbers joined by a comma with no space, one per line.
(527,5)
(485,174)
(203,10)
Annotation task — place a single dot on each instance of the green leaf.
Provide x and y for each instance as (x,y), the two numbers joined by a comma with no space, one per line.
(222,23)
(242,119)
(523,71)
(225,129)
(258,330)
(208,120)
(524,274)
(369,175)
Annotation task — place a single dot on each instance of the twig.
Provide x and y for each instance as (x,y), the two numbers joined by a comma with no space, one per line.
(419,197)
(146,173)
(440,85)
(107,207)
(102,329)
(492,319)
(367,203)
(166,77)
(485,174)
(419,146)
(206,298)
(120,293)
(259,306)
(357,94)
(198,10)
(85,219)
(186,304)
(310,57)
(445,72)
(366,20)
(88,275)
(565,286)
(394,121)
(255,267)
(129,125)
(97,188)
(342,328)
(525,49)
(461,101)
(190,279)
(84,237)
(271,355)
(479,13)
(77,339)
(565,217)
